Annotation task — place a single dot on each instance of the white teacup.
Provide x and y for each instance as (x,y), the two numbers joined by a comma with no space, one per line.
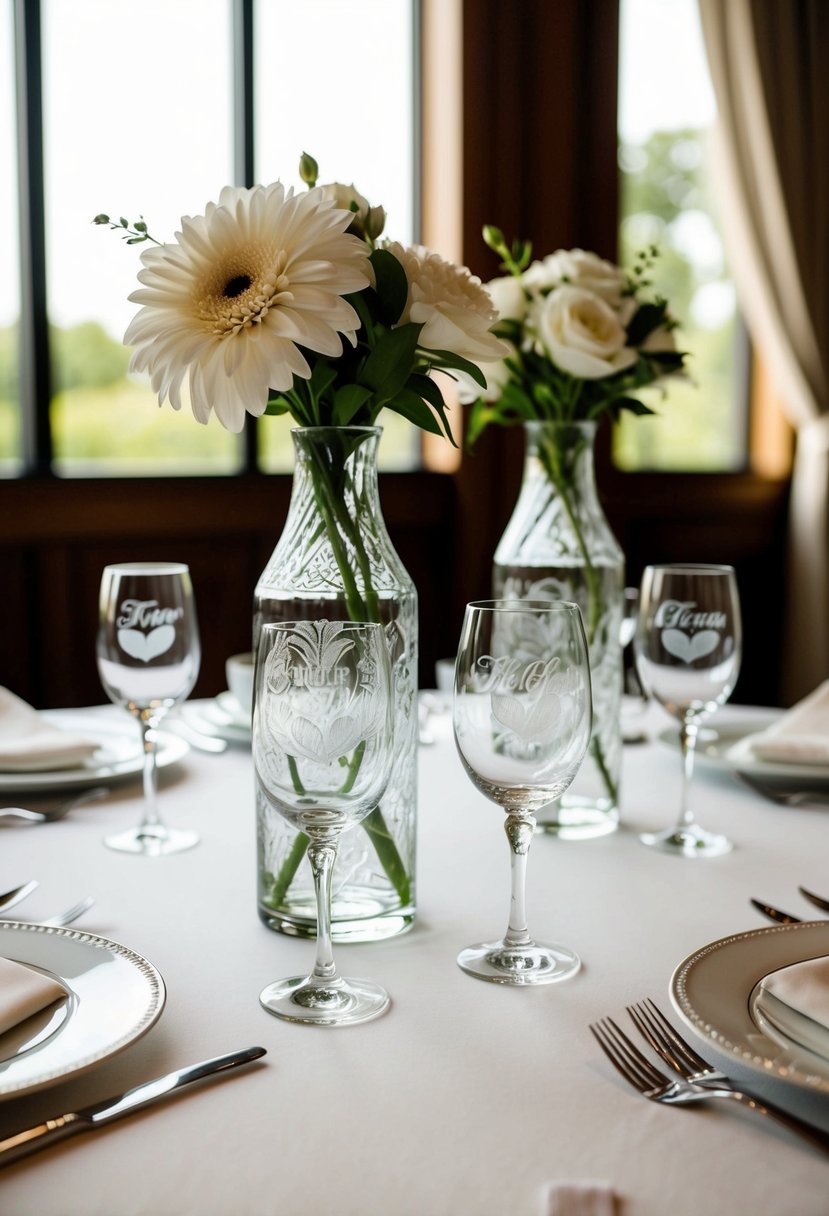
(239,672)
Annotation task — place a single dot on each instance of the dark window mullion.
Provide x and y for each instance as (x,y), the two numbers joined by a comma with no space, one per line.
(243,152)
(35,369)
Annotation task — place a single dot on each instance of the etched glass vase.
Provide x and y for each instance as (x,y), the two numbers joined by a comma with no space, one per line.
(558,545)
(335,561)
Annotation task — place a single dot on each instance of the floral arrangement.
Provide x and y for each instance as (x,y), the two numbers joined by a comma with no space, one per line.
(584,336)
(277,302)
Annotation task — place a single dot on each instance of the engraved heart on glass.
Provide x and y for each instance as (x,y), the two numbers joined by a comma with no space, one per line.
(146,646)
(536,720)
(685,647)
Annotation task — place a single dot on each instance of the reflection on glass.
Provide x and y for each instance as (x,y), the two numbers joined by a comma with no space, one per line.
(10,461)
(133,125)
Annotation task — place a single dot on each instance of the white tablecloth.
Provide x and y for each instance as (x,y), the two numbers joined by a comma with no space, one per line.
(467,1097)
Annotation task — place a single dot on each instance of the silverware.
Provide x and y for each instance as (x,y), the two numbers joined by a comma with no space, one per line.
(783,795)
(60,918)
(776,914)
(817,900)
(56,812)
(196,738)
(50,1131)
(10,898)
(647,1080)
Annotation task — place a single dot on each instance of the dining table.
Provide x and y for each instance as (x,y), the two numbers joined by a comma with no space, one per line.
(466,1098)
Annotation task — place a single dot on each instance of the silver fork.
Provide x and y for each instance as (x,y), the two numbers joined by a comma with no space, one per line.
(61,918)
(647,1080)
(56,812)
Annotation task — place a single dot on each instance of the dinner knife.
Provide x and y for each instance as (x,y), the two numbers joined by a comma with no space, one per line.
(61,1127)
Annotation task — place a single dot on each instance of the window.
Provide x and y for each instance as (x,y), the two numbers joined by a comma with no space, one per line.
(145,126)
(666,109)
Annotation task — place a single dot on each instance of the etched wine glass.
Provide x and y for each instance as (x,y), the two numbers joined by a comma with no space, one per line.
(323,729)
(148,655)
(522,715)
(688,647)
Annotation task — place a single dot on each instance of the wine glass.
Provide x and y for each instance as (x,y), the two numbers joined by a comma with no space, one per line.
(522,715)
(148,659)
(323,729)
(688,646)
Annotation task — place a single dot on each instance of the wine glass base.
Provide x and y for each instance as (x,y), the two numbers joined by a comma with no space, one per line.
(341,1003)
(688,842)
(525,965)
(152,841)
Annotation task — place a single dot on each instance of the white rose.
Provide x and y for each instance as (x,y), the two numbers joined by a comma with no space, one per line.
(582,334)
(578,268)
(508,297)
(451,304)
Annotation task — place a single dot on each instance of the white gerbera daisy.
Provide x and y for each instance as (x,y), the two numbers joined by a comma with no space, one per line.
(243,287)
(451,304)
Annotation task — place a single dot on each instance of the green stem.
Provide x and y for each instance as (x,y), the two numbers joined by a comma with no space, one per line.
(361,607)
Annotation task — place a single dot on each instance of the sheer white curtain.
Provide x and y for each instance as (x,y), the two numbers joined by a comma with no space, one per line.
(768,61)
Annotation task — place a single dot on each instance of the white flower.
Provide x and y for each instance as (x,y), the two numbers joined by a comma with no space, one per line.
(577,268)
(365,219)
(582,334)
(451,304)
(243,287)
(508,297)
(497,375)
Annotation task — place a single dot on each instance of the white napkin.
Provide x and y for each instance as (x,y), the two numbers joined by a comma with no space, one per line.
(580,1199)
(801,736)
(24,992)
(795,1000)
(27,743)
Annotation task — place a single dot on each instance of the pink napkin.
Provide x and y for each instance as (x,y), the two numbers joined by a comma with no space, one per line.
(29,744)
(23,992)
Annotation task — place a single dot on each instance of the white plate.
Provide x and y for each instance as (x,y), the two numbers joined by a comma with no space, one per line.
(114,997)
(221,717)
(727,746)
(119,755)
(713,990)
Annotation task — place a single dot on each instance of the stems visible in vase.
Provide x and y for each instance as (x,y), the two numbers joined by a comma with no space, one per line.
(362,604)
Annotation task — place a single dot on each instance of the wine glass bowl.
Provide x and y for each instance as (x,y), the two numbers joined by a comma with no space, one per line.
(148,655)
(323,729)
(688,648)
(522,717)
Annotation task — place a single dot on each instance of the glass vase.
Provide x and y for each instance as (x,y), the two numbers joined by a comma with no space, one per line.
(335,561)
(558,545)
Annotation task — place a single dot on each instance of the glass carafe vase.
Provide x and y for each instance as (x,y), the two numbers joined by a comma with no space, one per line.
(558,545)
(335,561)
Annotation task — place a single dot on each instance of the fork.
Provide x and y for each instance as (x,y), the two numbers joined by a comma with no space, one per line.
(9,898)
(57,812)
(61,918)
(647,1080)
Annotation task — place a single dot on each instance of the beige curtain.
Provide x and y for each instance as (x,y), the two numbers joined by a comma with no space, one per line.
(769,62)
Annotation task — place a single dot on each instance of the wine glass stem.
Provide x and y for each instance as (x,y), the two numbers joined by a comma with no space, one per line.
(519,830)
(321,857)
(150,819)
(688,741)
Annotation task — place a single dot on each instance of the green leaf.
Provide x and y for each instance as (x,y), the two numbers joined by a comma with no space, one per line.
(390,363)
(429,391)
(644,321)
(276,406)
(448,361)
(407,403)
(348,401)
(391,284)
(632,405)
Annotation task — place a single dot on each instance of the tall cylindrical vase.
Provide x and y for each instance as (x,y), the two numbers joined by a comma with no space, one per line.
(335,561)
(558,545)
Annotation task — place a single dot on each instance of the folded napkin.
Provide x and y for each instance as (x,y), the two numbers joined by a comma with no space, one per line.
(581,1199)
(24,992)
(795,1000)
(801,736)
(27,743)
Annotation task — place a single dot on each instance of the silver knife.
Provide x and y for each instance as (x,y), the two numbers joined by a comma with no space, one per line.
(91,1117)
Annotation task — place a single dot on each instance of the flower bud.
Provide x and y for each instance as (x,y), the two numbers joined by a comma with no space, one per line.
(101,219)
(309,170)
(375,222)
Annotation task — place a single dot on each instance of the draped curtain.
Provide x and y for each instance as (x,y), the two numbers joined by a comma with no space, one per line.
(768,61)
